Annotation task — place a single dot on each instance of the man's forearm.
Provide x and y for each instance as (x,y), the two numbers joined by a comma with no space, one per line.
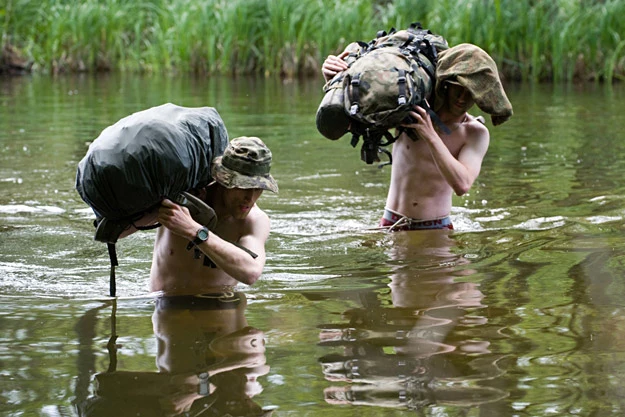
(233,260)
(454,172)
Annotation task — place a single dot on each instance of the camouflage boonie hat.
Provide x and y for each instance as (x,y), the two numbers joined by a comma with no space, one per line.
(245,164)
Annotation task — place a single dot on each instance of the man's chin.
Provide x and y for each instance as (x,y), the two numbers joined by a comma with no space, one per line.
(241,215)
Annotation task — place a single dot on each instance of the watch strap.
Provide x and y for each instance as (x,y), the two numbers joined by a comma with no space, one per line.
(198,240)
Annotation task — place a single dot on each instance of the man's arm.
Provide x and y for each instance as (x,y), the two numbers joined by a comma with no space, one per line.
(460,173)
(234,261)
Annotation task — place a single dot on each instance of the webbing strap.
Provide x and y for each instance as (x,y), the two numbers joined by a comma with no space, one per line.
(372,144)
(369,149)
(150,227)
(415,26)
(401,86)
(354,141)
(408,41)
(410,132)
(390,139)
(114,263)
(355,90)
(442,126)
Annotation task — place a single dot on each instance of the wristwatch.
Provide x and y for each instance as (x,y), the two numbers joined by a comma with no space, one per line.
(200,236)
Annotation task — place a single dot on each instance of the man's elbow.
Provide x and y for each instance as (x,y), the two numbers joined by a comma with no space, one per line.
(251,276)
(462,189)
(463,185)
(250,280)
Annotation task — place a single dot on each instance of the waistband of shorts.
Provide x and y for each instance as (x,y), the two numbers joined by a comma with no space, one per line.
(210,301)
(408,223)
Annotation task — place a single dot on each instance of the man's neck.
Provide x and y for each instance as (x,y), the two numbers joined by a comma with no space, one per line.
(451,121)
(449,117)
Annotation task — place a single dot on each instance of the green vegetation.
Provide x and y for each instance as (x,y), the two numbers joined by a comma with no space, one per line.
(540,40)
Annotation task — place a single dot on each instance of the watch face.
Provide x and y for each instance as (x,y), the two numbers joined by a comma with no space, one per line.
(202,234)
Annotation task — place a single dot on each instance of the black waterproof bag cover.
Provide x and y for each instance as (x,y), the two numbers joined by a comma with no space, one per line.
(150,155)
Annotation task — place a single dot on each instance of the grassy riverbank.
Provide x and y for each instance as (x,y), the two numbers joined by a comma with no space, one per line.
(545,40)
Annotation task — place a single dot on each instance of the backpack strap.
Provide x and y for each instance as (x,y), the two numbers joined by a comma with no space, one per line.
(372,143)
(355,88)
(415,26)
(355,138)
(437,120)
(150,227)
(401,87)
(407,43)
(410,132)
(369,148)
(114,263)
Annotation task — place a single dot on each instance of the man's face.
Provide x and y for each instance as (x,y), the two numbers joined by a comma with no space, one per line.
(460,99)
(239,201)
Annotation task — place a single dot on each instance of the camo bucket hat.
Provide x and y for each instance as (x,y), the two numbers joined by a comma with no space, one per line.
(245,164)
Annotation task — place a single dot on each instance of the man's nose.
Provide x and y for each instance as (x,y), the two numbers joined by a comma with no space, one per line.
(466,95)
(249,194)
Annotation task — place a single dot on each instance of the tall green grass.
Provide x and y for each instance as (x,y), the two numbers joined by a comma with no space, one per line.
(542,40)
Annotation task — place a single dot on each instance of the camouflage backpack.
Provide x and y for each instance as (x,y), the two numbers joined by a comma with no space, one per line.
(385,79)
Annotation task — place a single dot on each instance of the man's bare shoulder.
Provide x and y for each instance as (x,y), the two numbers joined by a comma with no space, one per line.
(258,214)
(257,219)
(475,127)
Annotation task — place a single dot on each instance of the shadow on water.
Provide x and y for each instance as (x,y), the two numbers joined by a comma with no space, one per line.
(208,362)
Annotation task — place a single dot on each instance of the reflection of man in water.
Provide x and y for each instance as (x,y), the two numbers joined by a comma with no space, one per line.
(426,282)
(188,257)
(406,349)
(208,361)
(207,337)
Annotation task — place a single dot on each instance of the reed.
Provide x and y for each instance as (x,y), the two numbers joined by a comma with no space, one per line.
(541,40)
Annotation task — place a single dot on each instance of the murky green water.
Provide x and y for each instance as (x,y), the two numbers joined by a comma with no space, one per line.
(519,312)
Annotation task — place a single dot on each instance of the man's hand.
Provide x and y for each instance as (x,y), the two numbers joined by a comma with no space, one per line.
(199,210)
(333,65)
(177,219)
(422,124)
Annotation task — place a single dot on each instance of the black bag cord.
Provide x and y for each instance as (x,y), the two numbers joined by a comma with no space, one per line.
(114,263)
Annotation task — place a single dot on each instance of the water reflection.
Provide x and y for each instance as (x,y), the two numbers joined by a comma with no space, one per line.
(208,361)
(543,229)
(419,344)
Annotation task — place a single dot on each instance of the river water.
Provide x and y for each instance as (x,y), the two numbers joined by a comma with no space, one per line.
(518,312)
